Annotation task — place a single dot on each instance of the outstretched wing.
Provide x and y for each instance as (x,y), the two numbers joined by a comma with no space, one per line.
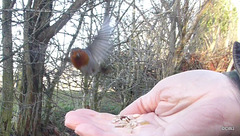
(101,47)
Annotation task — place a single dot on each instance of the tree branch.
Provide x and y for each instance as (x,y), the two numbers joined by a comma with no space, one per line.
(191,30)
(47,34)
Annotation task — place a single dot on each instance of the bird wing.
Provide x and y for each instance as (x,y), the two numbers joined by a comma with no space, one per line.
(101,47)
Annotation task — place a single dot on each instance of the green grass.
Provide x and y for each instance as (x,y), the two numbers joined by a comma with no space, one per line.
(110,103)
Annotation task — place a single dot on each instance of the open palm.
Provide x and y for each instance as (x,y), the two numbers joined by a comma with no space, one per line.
(199,103)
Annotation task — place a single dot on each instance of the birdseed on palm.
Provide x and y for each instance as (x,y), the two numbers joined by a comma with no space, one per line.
(128,121)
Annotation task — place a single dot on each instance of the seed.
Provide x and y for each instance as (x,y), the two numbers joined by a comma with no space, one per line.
(135,116)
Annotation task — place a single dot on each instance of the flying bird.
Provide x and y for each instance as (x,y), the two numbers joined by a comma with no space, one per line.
(88,60)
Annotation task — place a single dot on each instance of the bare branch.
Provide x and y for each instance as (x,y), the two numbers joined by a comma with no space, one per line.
(47,34)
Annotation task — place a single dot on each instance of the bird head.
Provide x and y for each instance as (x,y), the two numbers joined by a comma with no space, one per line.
(79,57)
(75,53)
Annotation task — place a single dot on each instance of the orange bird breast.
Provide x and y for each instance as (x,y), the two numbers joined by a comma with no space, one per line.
(79,58)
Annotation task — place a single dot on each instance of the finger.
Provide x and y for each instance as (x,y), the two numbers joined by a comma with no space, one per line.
(142,105)
(82,112)
(86,129)
(74,118)
(162,91)
(72,121)
(177,92)
(148,102)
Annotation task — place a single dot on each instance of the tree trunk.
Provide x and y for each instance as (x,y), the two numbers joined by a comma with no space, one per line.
(178,56)
(37,34)
(94,97)
(85,102)
(7,93)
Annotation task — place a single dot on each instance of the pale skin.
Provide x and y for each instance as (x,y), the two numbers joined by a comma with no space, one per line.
(199,103)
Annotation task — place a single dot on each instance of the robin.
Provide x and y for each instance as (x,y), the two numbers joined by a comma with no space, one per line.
(88,60)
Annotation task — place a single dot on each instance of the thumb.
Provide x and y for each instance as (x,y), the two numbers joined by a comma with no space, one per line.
(144,104)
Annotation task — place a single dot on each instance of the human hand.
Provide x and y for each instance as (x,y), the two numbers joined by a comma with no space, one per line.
(195,103)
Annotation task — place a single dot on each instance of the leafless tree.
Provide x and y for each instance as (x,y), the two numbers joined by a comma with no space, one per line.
(7,88)
(153,39)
